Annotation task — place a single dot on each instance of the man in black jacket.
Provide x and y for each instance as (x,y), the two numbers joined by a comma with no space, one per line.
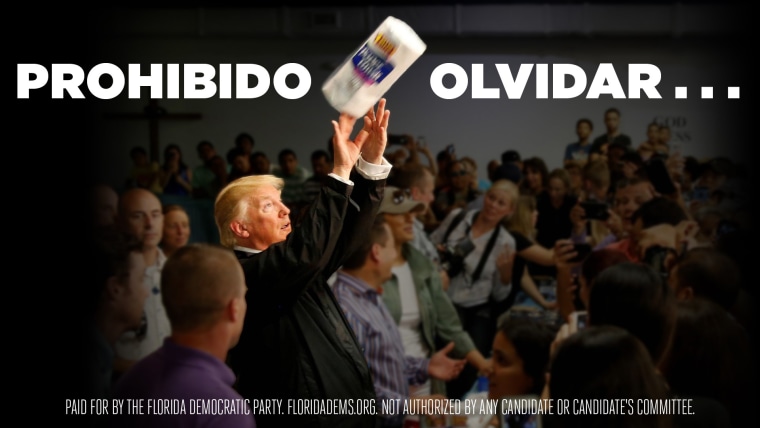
(296,345)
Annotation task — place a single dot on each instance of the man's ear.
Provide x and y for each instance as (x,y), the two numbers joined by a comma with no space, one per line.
(374,252)
(414,191)
(685,293)
(239,229)
(232,310)
(113,288)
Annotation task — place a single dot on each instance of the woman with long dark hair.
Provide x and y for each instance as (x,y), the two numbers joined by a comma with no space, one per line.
(604,363)
(175,176)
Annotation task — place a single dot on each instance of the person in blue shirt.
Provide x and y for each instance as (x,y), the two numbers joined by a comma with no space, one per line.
(358,289)
(579,150)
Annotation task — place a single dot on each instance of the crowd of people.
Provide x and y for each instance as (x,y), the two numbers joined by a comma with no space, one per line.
(386,272)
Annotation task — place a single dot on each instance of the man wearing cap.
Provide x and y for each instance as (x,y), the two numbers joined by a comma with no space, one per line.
(420,182)
(416,300)
(511,157)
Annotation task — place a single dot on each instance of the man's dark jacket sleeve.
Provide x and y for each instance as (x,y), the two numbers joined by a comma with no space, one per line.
(296,342)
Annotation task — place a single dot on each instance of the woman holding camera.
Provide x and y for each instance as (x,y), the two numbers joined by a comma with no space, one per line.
(480,254)
(175,176)
(415,298)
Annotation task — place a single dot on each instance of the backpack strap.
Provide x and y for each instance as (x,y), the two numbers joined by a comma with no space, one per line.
(454,223)
(486,252)
(491,242)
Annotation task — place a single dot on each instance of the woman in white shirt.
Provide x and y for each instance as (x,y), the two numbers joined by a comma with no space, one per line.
(485,277)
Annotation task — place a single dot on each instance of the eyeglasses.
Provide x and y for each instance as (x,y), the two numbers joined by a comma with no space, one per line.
(400,195)
(460,173)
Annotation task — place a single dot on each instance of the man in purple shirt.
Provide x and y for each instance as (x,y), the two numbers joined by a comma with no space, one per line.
(358,288)
(186,382)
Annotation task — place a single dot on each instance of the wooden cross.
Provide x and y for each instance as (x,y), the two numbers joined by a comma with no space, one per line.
(154,114)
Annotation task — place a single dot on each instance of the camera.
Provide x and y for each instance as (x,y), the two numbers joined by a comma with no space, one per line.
(583,251)
(452,257)
(595,210)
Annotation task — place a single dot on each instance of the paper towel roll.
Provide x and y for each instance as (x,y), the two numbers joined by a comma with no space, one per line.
(367,74)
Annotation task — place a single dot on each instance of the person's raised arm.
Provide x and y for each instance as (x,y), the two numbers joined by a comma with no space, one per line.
(371,141)
(432,164)
(539,254)
(326,235)
(411,147)
(347,152)
(376,127)
(368,181)
(566,271)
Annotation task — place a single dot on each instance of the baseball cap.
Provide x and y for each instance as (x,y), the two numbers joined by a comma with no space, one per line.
(399,201)
(508,171)
(510,156)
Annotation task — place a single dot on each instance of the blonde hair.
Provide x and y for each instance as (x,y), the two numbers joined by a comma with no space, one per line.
(521,220)
(233,201)
(599,231)
(507,186)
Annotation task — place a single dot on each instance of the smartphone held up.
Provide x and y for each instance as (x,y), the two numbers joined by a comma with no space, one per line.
(579,319)
(595,210)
